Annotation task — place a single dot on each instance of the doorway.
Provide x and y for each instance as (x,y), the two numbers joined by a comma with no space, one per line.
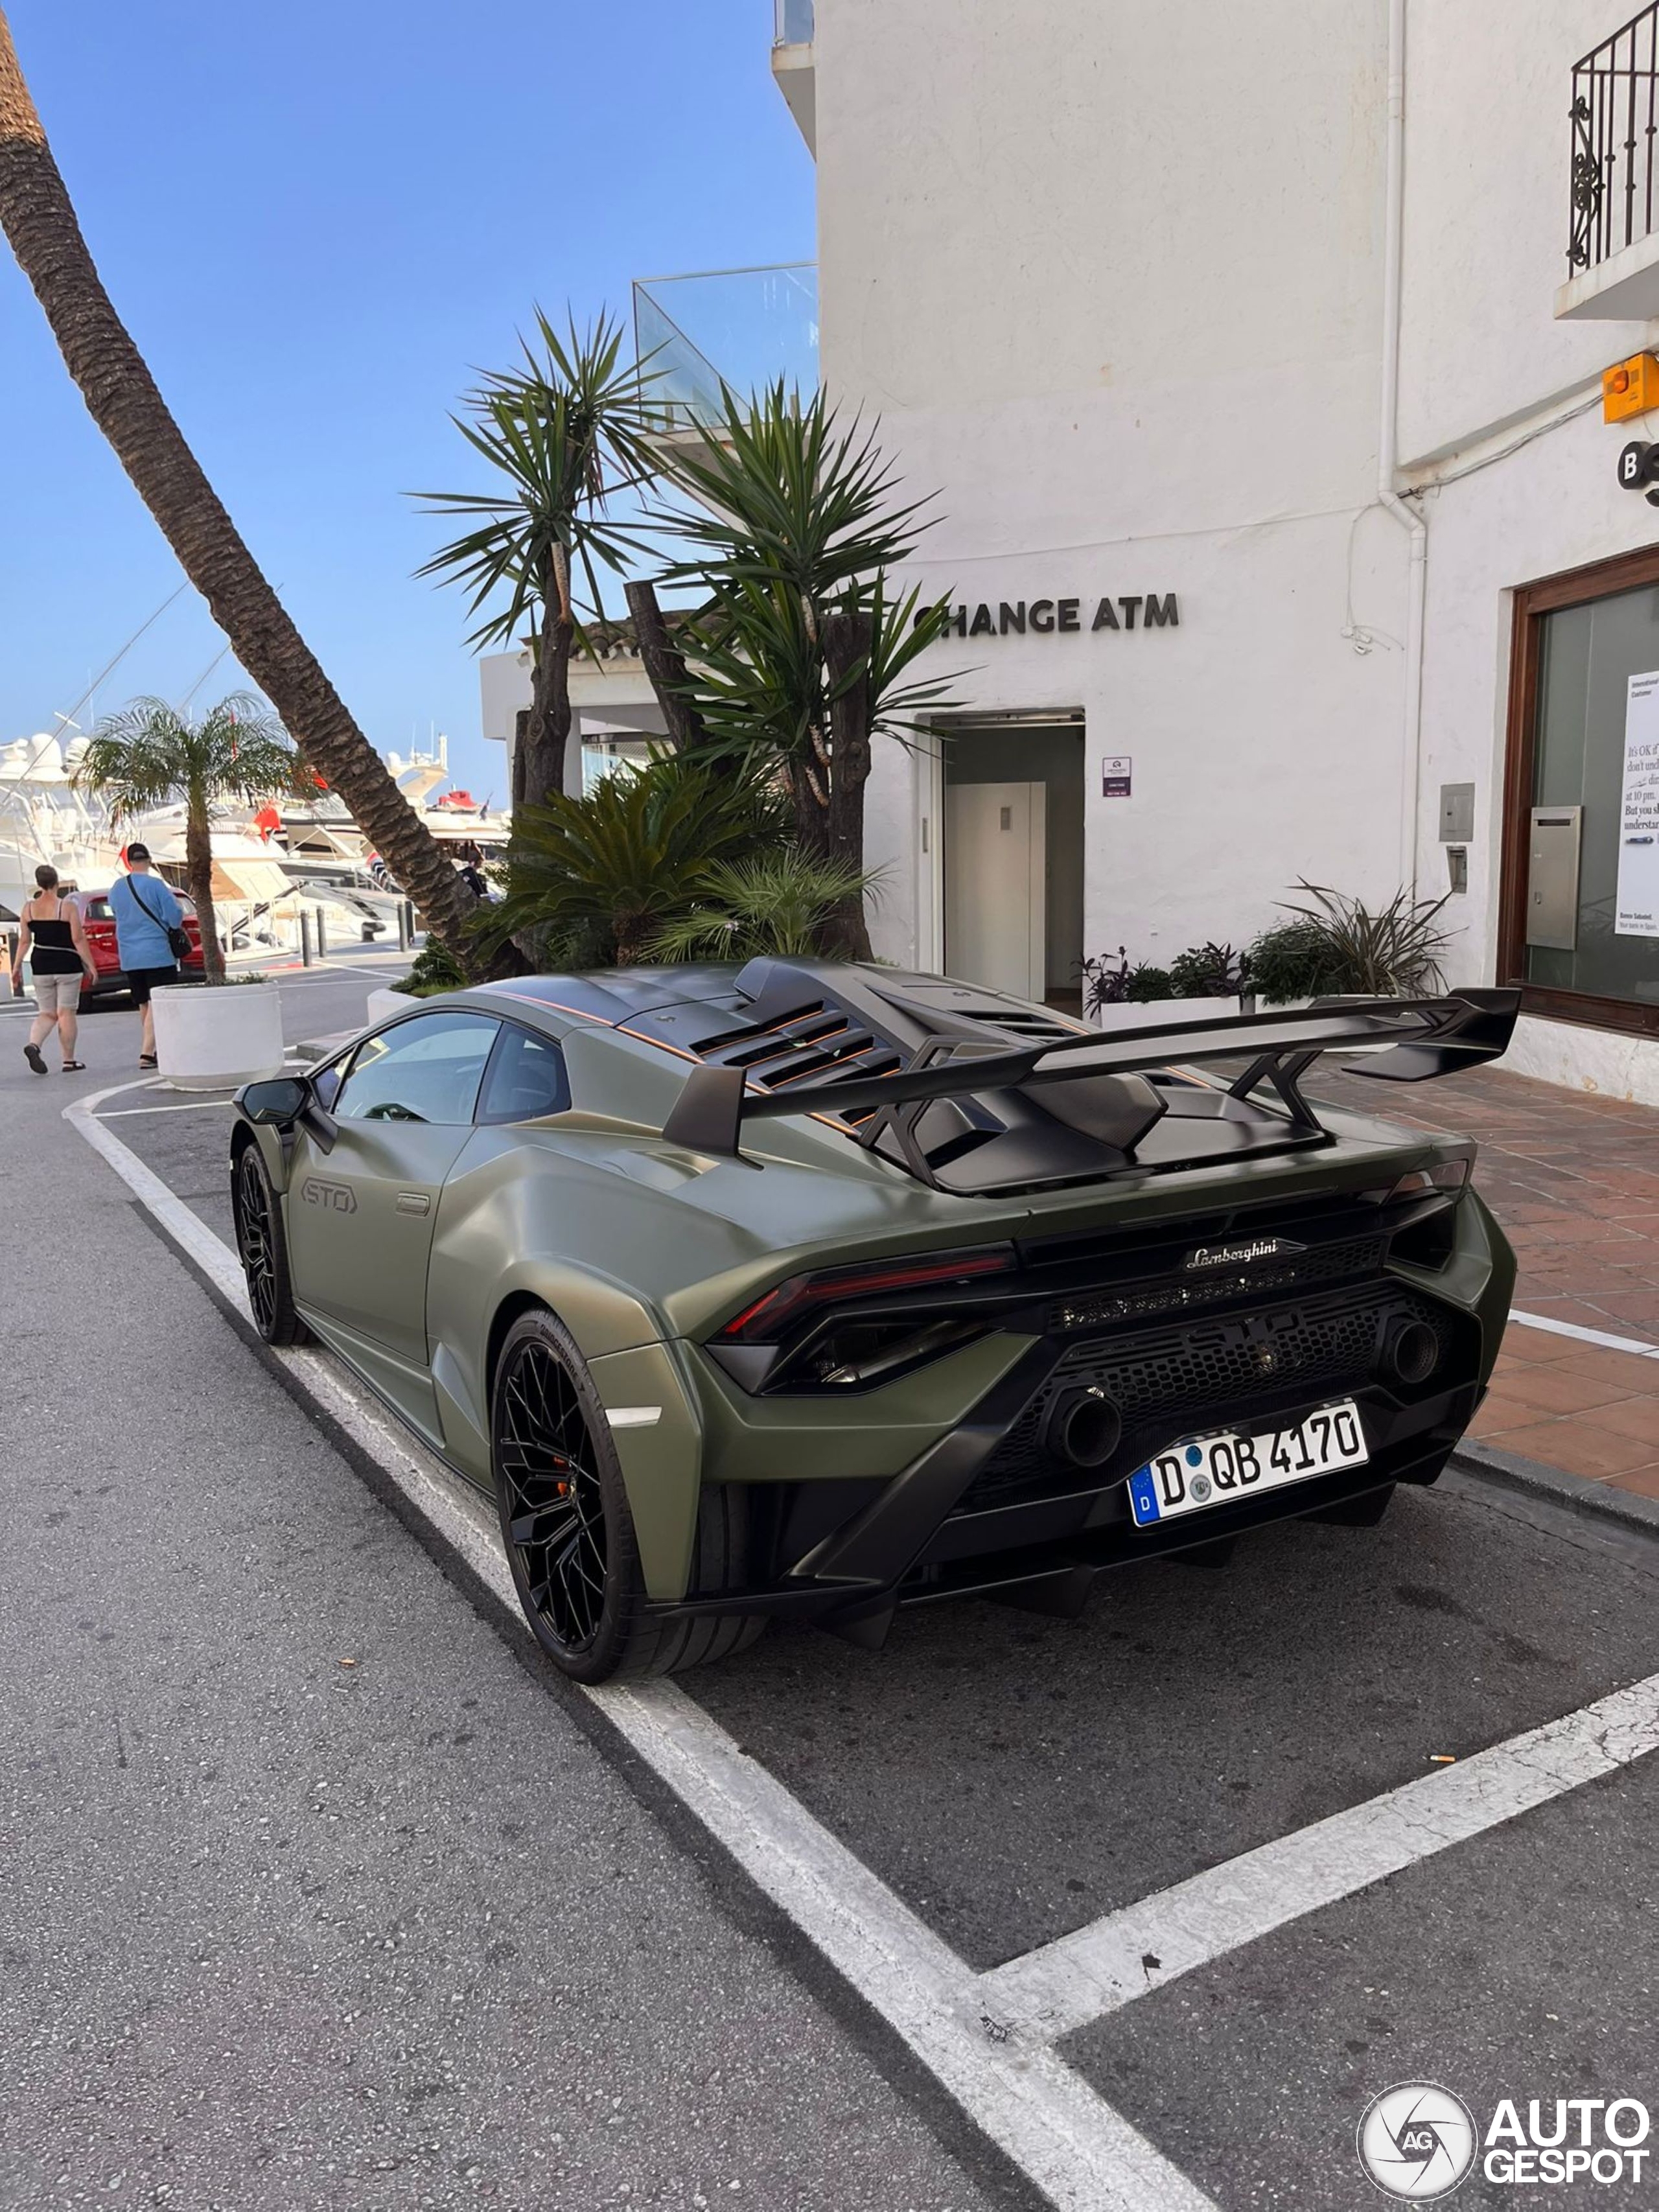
(1014,856)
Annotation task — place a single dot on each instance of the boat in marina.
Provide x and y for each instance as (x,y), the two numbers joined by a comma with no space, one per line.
(266,864)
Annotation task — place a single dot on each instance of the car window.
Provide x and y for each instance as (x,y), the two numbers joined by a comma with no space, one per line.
(426,1070)
(525,1078)
(95,910)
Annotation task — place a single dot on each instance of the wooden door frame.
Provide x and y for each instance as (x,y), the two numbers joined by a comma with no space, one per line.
(1598,580)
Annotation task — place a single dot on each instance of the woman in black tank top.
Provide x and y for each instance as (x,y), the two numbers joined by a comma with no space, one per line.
(53,938)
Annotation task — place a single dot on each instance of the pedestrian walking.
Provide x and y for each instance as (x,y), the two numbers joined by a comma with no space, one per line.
(55,943)
(149,930)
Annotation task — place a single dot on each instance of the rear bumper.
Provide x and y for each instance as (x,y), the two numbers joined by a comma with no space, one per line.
(914,1542)
(982,1507)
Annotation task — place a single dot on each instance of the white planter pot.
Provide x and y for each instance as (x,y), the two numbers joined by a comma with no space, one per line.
(207,1036)
(382,1005)
(1163,1013)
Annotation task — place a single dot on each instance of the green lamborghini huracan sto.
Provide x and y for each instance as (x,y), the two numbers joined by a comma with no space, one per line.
(812,1289)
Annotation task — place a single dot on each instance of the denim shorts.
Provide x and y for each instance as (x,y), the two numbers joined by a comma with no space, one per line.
(58,994)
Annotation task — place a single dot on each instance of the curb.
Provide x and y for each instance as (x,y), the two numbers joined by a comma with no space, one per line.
(1593,1501)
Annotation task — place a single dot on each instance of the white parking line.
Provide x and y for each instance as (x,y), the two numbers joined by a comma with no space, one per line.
(1638,1345)
(1083,2155)
(183,1106)
(1114,1960)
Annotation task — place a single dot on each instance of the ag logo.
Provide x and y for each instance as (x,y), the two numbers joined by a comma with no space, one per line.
(1416,2141)
(339,1197)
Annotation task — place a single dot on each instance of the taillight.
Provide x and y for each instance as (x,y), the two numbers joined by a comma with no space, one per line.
(766,1320)
(1444,1175)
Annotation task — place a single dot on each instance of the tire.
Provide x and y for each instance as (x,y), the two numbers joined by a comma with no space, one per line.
(568,1532)
(262,1246)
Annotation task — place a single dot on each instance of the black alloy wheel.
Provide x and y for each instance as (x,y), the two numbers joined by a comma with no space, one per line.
(553,1499)
(262,1249)
(568,1531)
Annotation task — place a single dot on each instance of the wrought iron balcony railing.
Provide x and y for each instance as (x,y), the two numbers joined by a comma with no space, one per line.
(1615,119)
(740,328)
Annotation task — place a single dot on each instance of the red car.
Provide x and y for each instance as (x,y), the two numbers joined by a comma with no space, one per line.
(100,925)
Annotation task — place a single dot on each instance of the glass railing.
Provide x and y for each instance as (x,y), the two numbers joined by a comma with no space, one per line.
(744,328)
(792,23)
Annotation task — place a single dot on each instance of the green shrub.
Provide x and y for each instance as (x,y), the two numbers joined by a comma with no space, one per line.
(779,904)
(436,970)
(1294,960)
(1208,971)
(1391,952)
(616,868)
(1144,983)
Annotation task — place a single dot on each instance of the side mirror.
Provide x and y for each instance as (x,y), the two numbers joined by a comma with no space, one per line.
(276,1104)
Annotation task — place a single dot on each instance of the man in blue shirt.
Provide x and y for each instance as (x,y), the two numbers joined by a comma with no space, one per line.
(144,910)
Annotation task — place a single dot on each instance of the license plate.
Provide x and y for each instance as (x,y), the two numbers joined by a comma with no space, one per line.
(1215,1470)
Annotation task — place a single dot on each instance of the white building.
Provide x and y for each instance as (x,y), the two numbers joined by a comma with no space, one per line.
(1256,322)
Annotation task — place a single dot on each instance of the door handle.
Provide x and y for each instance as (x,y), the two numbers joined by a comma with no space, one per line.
(414,1201)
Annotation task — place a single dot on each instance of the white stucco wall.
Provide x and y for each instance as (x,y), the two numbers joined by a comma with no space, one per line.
(1126,323)
(1486,216)
(1120,302)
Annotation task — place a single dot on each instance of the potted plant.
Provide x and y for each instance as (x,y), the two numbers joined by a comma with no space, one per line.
(1202,984)
(150,756)
(1339,946)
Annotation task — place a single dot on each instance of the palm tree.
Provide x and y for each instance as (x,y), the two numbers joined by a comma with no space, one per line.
(39,219)
(778,903)
(803,649)
(567,434)
(601,875)
(149,756)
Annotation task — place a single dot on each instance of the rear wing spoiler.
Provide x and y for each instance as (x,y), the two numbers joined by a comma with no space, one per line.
(1423,1039)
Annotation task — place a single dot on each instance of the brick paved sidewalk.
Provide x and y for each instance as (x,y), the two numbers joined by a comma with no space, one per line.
(1574,1179)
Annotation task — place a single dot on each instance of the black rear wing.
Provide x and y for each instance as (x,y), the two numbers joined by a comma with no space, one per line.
(1423,1039)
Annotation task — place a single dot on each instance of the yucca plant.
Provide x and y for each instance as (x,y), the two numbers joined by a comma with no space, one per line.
(566,435)
(615,867)
(802,649)
(1391,952)
(779,903)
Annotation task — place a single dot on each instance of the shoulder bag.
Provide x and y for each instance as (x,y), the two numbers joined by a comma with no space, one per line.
(178,939)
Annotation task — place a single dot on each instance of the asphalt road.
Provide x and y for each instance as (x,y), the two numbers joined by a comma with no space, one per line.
(279,1930)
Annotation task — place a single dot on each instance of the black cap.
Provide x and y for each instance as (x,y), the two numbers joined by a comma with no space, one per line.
(137,852)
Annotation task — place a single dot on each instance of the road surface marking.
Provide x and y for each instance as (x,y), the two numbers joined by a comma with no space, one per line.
(1050,1992)
(186,1106)
(1638,1345)
(1081,2152)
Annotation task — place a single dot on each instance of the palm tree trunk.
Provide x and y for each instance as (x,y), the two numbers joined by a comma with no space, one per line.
(847,640)
(198,873)
(665,666)
(540,768)
(121,395)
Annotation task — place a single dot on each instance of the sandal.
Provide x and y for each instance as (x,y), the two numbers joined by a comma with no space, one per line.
(31,1054)
(147,1059)
(75,1067)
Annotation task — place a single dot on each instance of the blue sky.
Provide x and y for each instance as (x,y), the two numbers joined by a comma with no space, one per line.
(317,219)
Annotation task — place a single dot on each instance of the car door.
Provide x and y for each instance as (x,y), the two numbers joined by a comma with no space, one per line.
(361,1214)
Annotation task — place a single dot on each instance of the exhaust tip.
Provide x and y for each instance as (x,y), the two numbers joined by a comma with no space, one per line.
(1412,1353)
(1083,1428)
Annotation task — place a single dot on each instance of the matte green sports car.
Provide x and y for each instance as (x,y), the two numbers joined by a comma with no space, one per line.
(813,1290)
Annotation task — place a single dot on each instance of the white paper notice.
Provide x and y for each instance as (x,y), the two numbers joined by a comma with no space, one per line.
(1638,903)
